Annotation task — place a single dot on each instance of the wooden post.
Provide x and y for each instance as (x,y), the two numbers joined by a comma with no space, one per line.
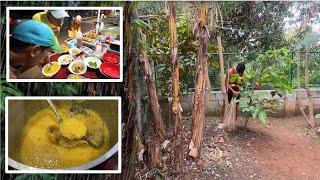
(176,106)
(309,93)
(222,78)
(199,100)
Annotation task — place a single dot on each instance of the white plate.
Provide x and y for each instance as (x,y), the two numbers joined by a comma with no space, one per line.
(74,51)
(79,62)
(65,59)
(93,60)
(53,73)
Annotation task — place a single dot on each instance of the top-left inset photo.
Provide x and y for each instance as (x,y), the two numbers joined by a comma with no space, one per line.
(64,44)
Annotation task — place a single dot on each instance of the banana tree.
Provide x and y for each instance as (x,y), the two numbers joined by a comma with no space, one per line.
(199,94)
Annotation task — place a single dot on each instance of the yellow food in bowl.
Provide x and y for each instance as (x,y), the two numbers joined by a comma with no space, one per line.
(37,150)
(72,76)
(51,69)
(73,128)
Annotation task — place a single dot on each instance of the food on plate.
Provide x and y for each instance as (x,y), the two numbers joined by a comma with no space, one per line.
(74,51)
(77,67)
(51,69)
(92,64)
(65,59)
(92,35)
(73,76)
(88,39)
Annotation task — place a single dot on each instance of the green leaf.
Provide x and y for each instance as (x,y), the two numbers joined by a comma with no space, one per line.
(141,24)
(23,177)
(46,177)
(255,112)
(317,116)
(263,116)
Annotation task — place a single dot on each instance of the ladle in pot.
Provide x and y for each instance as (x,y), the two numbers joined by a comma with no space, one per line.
(94,138)
(57,136)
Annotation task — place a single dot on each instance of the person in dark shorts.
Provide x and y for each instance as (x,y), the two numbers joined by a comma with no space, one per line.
(236,77)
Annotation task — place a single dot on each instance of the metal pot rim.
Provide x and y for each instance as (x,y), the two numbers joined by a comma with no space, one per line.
(91,164)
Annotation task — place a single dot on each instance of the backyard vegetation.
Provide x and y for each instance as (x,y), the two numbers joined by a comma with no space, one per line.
(189,48)
(172,49)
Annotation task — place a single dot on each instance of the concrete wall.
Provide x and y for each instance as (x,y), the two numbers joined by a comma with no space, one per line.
(289,108)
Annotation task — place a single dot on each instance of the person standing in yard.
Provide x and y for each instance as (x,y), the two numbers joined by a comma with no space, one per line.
(30,44)
(235,79)
(54,19)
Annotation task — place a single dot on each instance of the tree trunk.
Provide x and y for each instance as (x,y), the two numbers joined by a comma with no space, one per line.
(309,93)
(158,125)
(154,155)
(133,145)
(176,106)
(222,77)
(199,100)
(128,44)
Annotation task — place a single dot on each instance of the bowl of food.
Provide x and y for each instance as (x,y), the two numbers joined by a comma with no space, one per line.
(77,67)
(65,59)
(51,69)
(74,51)
(74,76)
(92,62)
(30,146)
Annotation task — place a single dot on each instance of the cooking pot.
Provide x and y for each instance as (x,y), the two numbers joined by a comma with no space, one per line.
(19,111)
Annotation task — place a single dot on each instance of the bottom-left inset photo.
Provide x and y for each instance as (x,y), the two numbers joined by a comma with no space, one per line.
(63,135)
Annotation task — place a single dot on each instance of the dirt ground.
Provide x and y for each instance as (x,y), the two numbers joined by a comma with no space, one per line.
(284,149)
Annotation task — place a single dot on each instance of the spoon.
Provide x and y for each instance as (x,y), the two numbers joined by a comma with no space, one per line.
(55,110)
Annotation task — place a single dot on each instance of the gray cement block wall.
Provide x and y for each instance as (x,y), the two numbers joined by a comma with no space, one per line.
(289,107)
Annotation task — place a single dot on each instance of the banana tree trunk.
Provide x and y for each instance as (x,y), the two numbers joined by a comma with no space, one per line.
(199,100)
(127,54)
(176,106)
(151,89)
(309,93)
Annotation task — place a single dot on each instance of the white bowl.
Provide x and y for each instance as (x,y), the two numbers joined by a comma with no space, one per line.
(94,60)
(65,59)
(71,67)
